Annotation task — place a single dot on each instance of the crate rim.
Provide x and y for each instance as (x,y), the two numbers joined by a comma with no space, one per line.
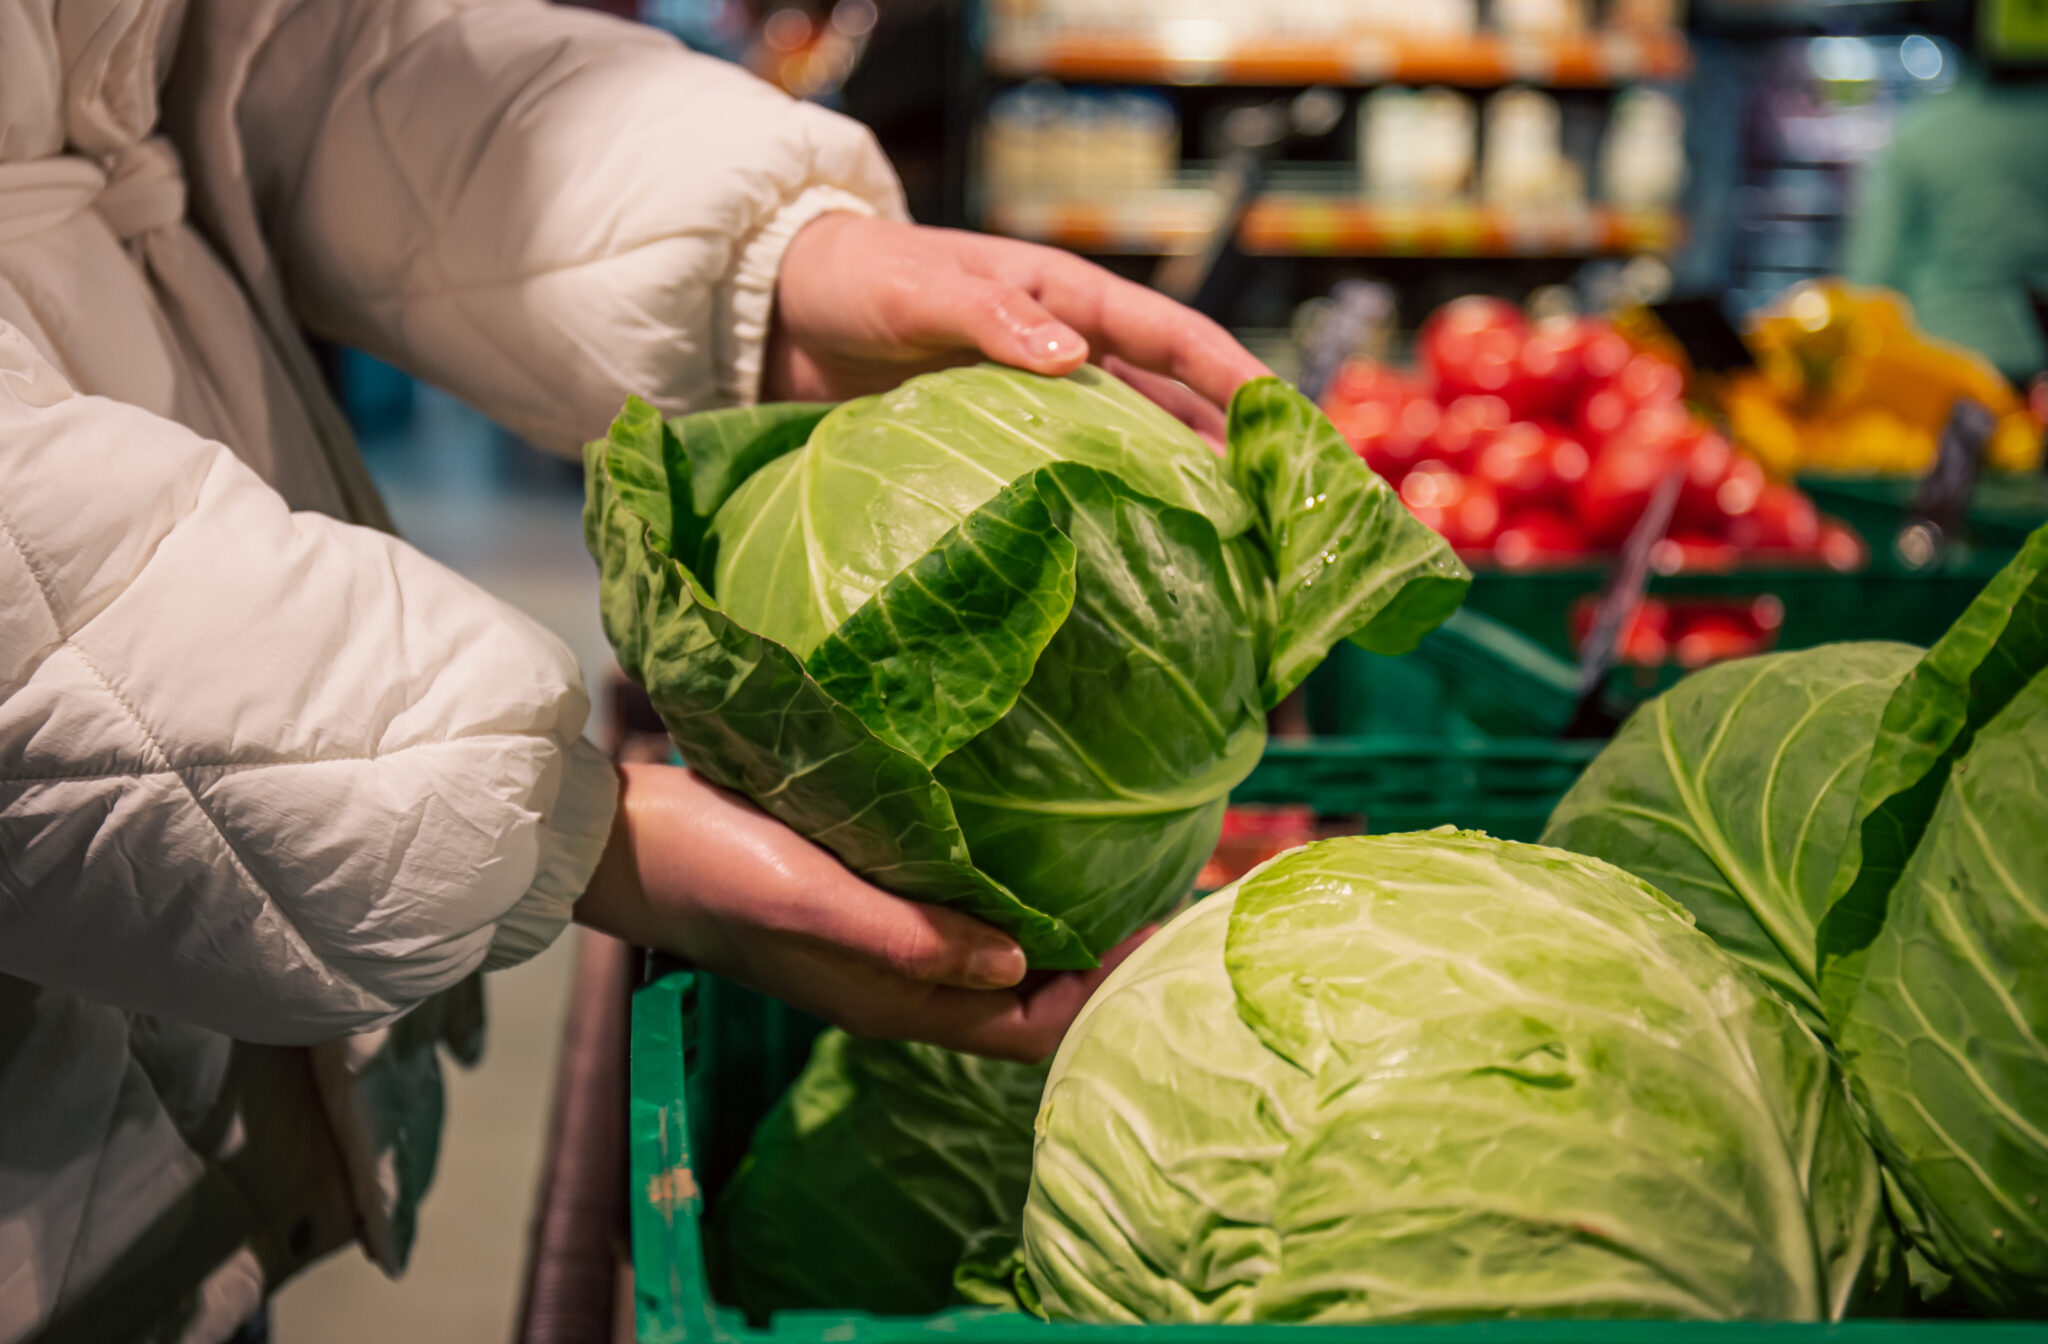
(673,1305)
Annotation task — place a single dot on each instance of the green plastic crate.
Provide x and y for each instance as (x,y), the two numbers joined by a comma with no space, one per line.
(2004,508)
(1505,787)
(1822,606)
(707,1060)
(1472,678)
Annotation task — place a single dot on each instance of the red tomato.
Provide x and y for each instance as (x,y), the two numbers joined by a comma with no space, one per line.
(1840,547)
(1766,613)
(1738,495)
(1470,345)
(1530,465)
(1721,484)
(1619,484)
(1516,463)
(1464,512)
(1648,381)
(1548,370)
(1468,424)
(1692,553)
(1603,351)
(1538,537)
(1645,636)
(1784,519)
(1600,413)
(1401,437)
(1714,636)
(1569,460)
(1667,422)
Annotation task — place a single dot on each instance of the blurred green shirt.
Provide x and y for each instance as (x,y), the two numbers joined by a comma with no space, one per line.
(1954,215)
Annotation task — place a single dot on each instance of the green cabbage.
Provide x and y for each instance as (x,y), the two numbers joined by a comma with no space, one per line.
(864,1186)
(1434,1076)
(999,641)
(1733,794)
(1934,952)
(1867,827)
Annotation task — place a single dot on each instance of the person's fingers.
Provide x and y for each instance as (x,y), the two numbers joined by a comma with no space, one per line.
(925,944)
(1177,399)
(950,306)
(1121,317)
(1015,1026)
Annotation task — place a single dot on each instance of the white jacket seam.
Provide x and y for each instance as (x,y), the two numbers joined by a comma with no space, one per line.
(35,572)
(227,843)
(454,289)
(243,767)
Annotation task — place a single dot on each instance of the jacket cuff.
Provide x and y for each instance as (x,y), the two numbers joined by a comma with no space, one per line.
(577,830)
(750,294)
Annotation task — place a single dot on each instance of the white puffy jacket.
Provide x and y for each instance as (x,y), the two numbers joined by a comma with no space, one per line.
(273,786)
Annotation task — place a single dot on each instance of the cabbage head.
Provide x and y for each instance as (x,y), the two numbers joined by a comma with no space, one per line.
(1733,794)
(1437,1076)
(999,641)
(1934,951)
(1866,825)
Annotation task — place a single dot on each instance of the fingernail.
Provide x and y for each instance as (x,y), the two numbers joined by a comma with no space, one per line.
(1051,340)
(996,966)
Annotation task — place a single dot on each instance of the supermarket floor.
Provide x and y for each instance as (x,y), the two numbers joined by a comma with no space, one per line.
(508,519)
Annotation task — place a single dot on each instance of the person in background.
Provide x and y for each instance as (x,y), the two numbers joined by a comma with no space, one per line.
(1953,213)
(273,786)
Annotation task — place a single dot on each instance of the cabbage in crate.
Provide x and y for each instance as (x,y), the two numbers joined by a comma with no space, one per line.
(1436,1076)
(1863,824)
(999,641)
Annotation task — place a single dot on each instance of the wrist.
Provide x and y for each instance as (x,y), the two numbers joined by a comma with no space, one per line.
(804,265)
(616,901)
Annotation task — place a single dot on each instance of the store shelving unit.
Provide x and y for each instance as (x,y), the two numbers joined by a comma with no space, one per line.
(1483,60)
(1328,225)
(1314,222)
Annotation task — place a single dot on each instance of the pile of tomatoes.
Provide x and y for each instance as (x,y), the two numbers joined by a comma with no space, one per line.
(1530,444)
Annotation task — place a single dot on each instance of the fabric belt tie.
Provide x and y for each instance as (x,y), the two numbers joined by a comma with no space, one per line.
(140,188)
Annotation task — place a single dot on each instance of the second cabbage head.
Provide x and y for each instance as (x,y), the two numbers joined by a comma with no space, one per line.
(999,641)
(1439,1076)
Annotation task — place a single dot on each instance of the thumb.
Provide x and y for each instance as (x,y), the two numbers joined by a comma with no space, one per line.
(957,309)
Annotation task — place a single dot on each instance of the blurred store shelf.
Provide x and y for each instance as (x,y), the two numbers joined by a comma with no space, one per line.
(1322,224)
(1204,56)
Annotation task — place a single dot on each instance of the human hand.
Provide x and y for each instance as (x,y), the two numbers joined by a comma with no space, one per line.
(861,304)
(699,872)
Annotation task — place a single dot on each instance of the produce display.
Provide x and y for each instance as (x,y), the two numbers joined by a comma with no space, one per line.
(1862,825)
(1529,444)
(1437,1075)
(998,641)
(1756,1033)
(1844,382)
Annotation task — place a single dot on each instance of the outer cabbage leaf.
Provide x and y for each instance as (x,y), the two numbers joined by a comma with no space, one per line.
(1946,1034)
(883,478)
(1924,956)
(997,640)
(1100,794)
(872,1178)
(1994,649)
(1437,1076)
(1733,792)
(1156,1173)
(749,718)
(1348,560)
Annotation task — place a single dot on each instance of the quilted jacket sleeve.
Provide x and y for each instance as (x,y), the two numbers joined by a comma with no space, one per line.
(260,770)
(540,208)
